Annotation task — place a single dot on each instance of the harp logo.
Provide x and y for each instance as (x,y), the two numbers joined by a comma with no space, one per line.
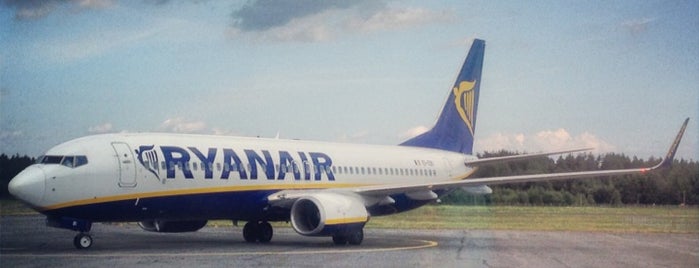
(149,159)
(464,98)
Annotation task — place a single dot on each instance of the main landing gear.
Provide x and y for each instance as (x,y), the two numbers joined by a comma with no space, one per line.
(353,237)
(255,231)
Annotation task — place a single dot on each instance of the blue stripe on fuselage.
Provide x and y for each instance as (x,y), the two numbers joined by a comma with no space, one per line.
(243,205)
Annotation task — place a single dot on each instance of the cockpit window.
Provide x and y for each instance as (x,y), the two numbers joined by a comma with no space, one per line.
(80,160)
(71,161)
(68,161)
(50,159)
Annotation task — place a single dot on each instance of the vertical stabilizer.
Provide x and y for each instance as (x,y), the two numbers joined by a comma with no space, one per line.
(456,124)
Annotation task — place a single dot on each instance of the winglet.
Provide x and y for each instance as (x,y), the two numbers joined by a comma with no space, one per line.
(667,161)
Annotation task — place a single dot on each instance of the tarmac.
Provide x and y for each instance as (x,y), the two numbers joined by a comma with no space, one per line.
(25,241)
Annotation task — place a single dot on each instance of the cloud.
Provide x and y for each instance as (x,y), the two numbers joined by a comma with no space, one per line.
(224,132)
(397,18)
(67,49)
(181,125)
(10,134)
(637,26)
(99,129)
(37,9)
(413,132)
(546,140)
(360,136)
(262,15)
(317,21)
(309,29)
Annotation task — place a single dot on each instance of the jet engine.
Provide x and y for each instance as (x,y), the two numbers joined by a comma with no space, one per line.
(327,214)
(159,226)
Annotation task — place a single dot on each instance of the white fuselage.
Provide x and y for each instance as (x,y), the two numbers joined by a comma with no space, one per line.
(142,176)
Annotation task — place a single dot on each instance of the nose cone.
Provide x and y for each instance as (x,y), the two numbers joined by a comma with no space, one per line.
(29,185)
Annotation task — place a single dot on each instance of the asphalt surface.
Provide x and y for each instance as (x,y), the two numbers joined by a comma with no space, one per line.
(26,242)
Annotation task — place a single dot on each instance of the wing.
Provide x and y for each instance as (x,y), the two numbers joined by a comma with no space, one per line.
(373,194)
(385,190)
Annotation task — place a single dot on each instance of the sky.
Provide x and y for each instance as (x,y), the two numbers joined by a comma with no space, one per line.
(620,76)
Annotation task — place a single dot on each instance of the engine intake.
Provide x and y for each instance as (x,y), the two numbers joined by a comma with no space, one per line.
(325,214)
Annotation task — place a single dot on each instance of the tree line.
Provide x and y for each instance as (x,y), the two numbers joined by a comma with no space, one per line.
(676,185)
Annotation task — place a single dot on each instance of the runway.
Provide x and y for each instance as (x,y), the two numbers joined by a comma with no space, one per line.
(26,242)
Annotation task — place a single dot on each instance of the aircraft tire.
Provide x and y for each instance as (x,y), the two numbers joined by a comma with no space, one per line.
(356,237)
(250,232)
(82,241)
(264,232)
(339,240)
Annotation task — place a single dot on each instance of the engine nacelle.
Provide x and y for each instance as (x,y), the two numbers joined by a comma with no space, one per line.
(327,213)
(172,226)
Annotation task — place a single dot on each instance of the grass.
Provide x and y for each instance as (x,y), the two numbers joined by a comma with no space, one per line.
(663,219)
(659,219)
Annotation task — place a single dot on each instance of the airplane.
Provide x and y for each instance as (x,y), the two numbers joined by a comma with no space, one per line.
(173,183)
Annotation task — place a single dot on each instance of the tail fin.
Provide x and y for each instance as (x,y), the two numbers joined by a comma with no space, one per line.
(456,124)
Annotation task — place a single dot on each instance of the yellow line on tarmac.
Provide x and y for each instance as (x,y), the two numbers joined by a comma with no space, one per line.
(423,244)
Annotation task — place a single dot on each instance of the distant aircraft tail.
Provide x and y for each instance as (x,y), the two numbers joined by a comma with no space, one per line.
(456,124)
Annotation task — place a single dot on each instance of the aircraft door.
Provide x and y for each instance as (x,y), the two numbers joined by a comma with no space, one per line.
(447,166)
(127,165)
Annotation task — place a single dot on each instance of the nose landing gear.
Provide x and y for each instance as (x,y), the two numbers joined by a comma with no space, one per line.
(82,241)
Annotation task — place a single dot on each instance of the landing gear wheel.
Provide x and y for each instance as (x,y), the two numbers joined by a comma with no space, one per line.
(355,237)
(82,241)
(339,240)
(264,232)
(250,232)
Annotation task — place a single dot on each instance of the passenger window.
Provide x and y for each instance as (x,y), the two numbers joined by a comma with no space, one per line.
(67,161)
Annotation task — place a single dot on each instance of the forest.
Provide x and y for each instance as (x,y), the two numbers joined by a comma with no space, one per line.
(678,185)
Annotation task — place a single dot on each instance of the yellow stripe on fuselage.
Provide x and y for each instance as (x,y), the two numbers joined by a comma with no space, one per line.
(210,190)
